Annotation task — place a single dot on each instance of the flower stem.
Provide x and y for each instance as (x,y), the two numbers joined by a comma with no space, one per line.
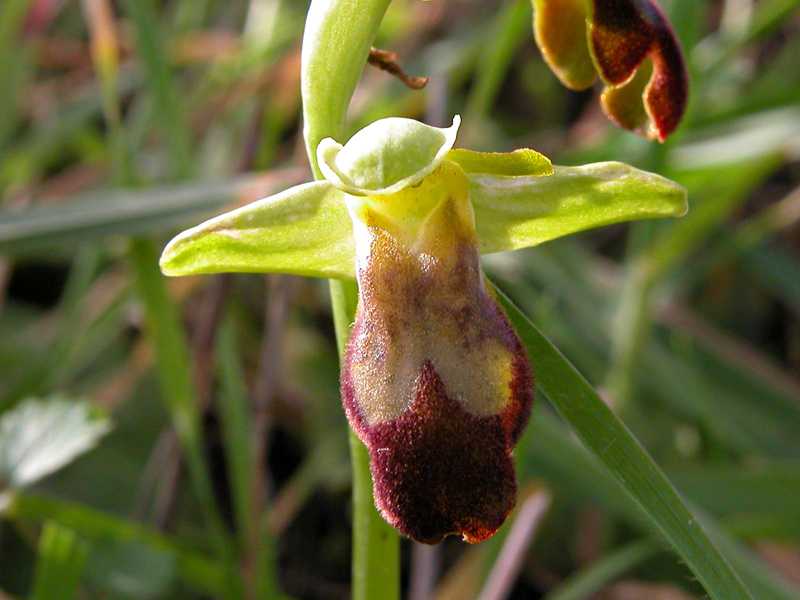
(336,43)
(376,546)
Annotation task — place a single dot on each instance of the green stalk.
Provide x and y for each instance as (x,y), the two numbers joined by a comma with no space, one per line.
(14,63)
(336,44)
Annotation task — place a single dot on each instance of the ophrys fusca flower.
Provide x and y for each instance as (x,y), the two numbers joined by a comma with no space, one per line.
(435,381)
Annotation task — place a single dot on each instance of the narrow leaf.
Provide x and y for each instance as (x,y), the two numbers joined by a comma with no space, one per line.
(62,557)
(523,161)
(305,230)
(197,570)
(120,211)
(518,212)
(626,460)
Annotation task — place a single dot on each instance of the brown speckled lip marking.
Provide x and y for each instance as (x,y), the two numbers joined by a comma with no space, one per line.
(625,32)
(440,453)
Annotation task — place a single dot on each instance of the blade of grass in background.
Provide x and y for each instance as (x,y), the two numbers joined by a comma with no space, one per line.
(626,460)
(237,434)
(233,410)
(14,64)
(195,569)
(170,116)
(604,571)
(127,212)
(162,317)
(510,27)
(579,473)
(60,563)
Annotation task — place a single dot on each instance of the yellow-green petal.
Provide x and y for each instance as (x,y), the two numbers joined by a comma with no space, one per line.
(304,230)
(523,161)
(518,212)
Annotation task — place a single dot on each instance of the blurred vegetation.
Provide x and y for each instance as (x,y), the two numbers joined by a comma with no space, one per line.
(121,122)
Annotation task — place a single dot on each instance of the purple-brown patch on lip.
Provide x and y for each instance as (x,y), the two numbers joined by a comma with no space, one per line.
(623,33)
(439,470)
(437,385)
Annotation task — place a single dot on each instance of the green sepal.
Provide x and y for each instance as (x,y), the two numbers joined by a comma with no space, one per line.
(304,230)
(307,230)
(523,161)
(518,212)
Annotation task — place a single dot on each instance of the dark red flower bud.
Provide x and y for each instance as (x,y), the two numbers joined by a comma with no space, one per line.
(631,45)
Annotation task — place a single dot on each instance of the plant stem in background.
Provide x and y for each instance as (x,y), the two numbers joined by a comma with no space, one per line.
(336,44)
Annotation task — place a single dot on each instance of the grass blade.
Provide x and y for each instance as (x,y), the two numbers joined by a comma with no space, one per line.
(62,556)
(155,58)
(604,571)
(623,456)
(195,569)
(131,212)
(236,430)
(172,362)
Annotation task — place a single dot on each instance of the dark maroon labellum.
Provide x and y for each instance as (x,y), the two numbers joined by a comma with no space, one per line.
(436,383)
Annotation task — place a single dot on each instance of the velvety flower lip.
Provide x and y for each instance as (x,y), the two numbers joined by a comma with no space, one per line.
(632,46)
(440,470)
(434,379)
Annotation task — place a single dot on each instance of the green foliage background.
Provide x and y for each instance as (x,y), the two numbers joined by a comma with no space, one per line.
(689,328)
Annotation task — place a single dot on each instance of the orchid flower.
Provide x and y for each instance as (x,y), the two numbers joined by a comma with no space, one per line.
(631,45)
(435,381)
